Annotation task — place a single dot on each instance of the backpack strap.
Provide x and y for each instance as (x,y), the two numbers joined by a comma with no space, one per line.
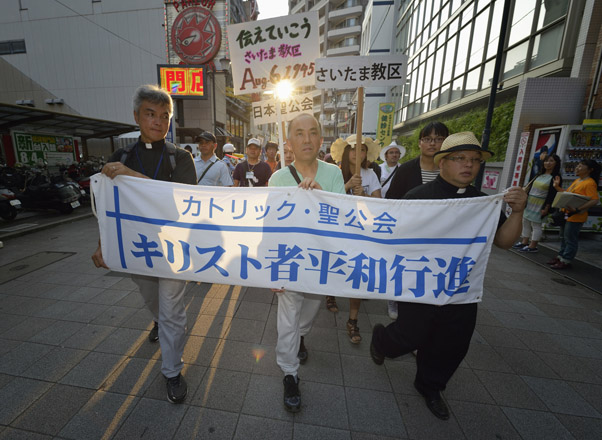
(390,176)
(126,152)
(171,150)
(293,171)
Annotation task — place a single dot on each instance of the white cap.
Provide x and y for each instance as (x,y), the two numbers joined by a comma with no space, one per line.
(254,141)
(228,148)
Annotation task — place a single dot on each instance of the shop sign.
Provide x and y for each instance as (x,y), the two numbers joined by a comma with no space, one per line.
(182,81)
(384,128)
(37,148)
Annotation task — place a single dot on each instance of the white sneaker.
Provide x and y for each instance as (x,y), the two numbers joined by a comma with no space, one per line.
(392,309)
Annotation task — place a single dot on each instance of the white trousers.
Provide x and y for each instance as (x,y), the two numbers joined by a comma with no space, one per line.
(531,230)
(296,312)
(165,299)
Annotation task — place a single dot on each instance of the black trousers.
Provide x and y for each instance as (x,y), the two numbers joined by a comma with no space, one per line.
(441,334)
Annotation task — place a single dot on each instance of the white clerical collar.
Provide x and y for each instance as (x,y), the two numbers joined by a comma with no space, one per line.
(461,191)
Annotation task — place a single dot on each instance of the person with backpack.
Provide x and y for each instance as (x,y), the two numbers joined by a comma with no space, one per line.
(210,171)
(151,157)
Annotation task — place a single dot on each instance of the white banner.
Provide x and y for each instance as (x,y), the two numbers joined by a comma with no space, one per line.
(264,52)
(309,241)
(265,112)
(366,71)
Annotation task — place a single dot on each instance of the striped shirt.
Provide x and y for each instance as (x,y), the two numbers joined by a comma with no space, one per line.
(428,176)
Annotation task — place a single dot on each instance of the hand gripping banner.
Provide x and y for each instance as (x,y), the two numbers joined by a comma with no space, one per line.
(427,251)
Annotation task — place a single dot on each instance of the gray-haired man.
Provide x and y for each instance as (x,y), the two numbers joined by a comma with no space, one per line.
(153,158)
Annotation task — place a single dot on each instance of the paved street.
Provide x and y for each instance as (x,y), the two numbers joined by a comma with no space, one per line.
(75,362)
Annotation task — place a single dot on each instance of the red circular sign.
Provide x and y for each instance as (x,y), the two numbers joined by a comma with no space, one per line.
(196,35)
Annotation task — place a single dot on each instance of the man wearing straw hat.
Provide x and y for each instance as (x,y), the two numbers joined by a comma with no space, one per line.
(296,310)
(442,334)
(390,155)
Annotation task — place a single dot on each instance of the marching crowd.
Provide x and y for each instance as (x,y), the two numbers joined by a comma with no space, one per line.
(448,163)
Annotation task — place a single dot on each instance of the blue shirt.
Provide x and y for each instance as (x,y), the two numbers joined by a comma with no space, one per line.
(217,175)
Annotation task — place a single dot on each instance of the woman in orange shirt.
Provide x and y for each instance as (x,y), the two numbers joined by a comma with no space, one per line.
(586,184)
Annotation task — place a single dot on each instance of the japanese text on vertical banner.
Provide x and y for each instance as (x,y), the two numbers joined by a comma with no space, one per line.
(309,241)
(264,52)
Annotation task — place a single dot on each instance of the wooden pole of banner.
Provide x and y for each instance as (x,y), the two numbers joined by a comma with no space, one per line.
(280,133)
(358,140)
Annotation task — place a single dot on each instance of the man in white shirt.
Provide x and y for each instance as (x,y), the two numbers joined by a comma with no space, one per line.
(390,155)
(210,171)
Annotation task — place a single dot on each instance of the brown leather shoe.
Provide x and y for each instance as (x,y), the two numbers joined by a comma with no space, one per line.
(560,265)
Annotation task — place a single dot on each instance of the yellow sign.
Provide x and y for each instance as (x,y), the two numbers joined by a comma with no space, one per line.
(182,81)
(384,125)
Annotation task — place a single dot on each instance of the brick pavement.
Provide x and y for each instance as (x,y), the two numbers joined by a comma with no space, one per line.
(75,362)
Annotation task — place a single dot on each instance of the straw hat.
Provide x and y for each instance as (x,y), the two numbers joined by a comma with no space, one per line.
(383,152)
(338,146)
(463,141)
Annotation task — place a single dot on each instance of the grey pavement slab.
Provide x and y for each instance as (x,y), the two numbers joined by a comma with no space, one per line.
(75,362)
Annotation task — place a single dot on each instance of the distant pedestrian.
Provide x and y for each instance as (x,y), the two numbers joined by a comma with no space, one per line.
(228,150)
(154,158)
(210,171)
(271,150)
(253,171)
(390,155)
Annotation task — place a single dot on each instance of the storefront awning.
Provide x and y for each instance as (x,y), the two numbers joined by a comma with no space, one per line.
(34,120)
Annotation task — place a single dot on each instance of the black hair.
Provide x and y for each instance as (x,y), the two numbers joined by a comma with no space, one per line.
(556,170)
(594,167)
(439,128)
(345,165)
(271,145)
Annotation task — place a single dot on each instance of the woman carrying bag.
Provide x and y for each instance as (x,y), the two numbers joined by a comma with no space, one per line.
(586,184)
(541,195)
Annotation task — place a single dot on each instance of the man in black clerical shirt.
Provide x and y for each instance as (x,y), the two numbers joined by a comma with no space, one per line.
(442,334)
(153,158)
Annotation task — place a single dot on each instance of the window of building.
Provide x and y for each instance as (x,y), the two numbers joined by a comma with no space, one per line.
(515,60)
(549,12)
(522,20)
(546,46)
(12,47)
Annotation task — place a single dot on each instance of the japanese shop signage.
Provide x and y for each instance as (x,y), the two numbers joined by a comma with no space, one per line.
(520,158)
(195,35)
(384,125)
(308,241)
(266,51)
(366,71)
(182,81)
(33,148)
(265,112)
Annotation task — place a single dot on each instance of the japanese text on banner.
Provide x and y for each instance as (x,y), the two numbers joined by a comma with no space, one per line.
(353,71)
(264,52)
(265,112)
(308,241)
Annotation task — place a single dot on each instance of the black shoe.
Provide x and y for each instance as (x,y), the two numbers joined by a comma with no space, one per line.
(153,336)
(176,389)
(436,404)
(377,357)
(292,397)
(302,355)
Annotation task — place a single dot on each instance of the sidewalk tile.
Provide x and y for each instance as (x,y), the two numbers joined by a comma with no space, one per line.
(8,320)
(484,357)
(133,377)
(245,330)
(101,416)
(53,410)
(21,393)
(311,432)
(321,339)
(401,375)
(109,296)
(499,337)
(208,325)
(84,294)
(535,425)
(152,419)
(578,346)
(207,424)
(85,312)
(17,434)
(58,310)
(538,341)
(483,422)
(374,412)
(420,423)
(93,370)
(560,397)
(232,355)
(53,366)
(132,299)
(362,372)
(322,405)
(21,357)
(572,368)
(509,390)
(591,393)
(221,389)
(259,295)
(199,350)
(465,386)
(28,328)
(57,333)
(324,367)
(525,362)
(264,398)
(89,336)
(253,310)
(114,316)
(122,341)
(583,428)
(258,428)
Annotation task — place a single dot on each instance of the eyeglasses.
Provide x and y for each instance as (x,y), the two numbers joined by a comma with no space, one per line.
(437,140)
(464,160)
